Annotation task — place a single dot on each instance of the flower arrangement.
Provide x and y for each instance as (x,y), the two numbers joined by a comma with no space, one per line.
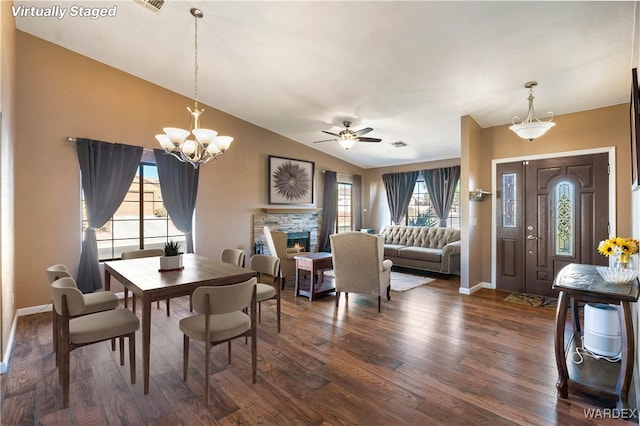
(618,246)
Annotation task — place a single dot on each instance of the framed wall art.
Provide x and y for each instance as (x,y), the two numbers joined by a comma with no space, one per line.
(635,131)
(290,181)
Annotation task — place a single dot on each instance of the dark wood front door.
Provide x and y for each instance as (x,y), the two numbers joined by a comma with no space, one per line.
(550,213)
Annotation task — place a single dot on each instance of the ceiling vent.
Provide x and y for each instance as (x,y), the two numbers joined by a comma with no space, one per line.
(399,144)
(155,5)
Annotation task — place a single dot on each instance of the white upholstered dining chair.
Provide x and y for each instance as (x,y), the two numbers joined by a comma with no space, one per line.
(268,269)
(233,256)
(137,254)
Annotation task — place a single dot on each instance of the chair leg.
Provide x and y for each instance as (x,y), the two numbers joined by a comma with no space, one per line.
(260,312)
(337,298)
(379,298)
(207,351)
(132,357)
(168,310)
(55,334)
(64,369)
(278,311)
(229,345)
(126,297)
(185,357)
(121,339)
(282,286)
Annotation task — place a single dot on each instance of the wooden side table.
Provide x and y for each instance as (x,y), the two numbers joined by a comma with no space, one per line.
(594,376)
(314,263)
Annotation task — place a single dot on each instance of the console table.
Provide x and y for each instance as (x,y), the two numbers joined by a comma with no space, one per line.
(597,377)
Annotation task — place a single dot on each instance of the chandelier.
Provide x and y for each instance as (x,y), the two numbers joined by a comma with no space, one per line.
(196,145)
(531,127)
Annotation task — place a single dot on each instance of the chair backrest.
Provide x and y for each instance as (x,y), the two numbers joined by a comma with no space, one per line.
(66,287)
(357,261)
(234,256)
(136,254)
(276,241)
(265,264)
(224,298)
(55,272)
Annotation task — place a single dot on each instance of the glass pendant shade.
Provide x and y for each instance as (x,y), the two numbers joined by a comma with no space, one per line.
(347,143)
(531,127)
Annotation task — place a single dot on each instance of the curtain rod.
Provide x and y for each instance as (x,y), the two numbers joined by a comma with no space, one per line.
(72,139)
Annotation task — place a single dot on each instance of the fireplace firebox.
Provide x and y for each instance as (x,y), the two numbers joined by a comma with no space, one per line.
(300,239)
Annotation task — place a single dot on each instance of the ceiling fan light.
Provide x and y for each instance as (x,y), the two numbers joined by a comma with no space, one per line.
(347,143)
(531,131)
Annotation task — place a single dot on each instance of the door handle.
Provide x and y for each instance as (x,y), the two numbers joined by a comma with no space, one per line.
(531,237)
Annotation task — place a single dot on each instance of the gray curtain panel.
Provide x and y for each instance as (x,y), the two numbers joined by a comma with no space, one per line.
(441,184)
(329,210)
(107,171)
(179,186)
(399,188)
(356,203)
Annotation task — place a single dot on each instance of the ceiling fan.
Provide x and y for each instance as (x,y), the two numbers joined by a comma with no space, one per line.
(347,137)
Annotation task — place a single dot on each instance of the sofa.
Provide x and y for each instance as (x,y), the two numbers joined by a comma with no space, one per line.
(426,248)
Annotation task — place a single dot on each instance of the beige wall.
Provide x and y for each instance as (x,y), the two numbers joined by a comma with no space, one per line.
(7,95)
(65,94)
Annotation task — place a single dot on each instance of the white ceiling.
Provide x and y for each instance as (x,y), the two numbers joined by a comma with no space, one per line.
(410,70)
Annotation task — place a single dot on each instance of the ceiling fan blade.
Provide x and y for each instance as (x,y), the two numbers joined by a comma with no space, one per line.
(369,139)
(327,140)
(363,131)
(329,133)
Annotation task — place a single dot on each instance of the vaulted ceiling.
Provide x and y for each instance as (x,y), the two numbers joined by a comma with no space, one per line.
(409,70)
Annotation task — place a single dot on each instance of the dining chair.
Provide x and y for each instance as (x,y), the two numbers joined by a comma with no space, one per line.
(93,302)
(137,254)
(77,331)
(220,318)
(233,256)
(268,266)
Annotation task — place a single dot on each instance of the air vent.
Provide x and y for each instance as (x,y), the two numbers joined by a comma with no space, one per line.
(155,5)
(398,144)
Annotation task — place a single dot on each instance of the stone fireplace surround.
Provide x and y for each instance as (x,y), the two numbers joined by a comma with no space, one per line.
(287,220)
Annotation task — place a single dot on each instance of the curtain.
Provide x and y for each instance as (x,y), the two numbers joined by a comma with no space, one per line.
(179,186)
(399,188)
(329,210)
(356,203)
(107,171)
(441,184)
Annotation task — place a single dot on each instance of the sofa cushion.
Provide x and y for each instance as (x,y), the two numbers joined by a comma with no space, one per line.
(392,249)
(421,253)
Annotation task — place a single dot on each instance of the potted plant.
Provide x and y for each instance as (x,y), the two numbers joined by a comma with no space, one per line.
(172,258)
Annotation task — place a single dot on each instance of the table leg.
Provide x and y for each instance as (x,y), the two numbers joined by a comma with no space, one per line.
(296,292)
(561,361)
(628,355)
(146,340)
(312,283)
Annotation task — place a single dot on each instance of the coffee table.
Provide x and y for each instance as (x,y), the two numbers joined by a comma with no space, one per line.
(314,263)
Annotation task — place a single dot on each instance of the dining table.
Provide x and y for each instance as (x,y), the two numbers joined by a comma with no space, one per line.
(145,280)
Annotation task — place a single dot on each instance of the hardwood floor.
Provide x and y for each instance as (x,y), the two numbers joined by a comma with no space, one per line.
(432,356)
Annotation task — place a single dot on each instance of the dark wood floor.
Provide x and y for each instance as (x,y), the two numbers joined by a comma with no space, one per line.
(432,356)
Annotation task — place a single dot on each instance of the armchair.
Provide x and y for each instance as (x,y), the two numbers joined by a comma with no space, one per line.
(277,243)
(358,265)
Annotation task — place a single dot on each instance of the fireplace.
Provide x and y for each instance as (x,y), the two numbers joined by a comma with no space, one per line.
(299,239)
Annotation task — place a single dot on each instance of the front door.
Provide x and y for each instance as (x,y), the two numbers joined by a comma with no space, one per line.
(550,212)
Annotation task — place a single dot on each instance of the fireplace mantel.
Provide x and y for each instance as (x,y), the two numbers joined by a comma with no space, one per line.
(289,210)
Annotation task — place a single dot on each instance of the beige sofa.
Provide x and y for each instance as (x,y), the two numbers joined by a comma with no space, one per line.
(422,247)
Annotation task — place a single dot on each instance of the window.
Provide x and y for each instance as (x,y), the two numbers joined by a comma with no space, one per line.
(343,219)
(421,212)
(141,221)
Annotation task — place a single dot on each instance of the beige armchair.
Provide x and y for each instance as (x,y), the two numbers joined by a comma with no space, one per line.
(358,265)
(277,243)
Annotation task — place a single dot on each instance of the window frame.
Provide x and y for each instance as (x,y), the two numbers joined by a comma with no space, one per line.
(431,216)
(339,228)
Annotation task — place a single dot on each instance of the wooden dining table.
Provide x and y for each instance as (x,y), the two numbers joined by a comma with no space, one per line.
(145,280)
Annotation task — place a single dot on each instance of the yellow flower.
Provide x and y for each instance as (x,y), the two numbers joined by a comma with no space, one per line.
(618,245)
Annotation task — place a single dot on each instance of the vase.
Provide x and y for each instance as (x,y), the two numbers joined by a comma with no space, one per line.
(622,261)
(170,263)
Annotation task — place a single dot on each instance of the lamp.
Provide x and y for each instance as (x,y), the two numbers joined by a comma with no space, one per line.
(205,145)
(346,140)
(531,127)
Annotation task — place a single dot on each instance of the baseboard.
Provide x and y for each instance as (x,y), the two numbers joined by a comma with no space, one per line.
(471,290)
